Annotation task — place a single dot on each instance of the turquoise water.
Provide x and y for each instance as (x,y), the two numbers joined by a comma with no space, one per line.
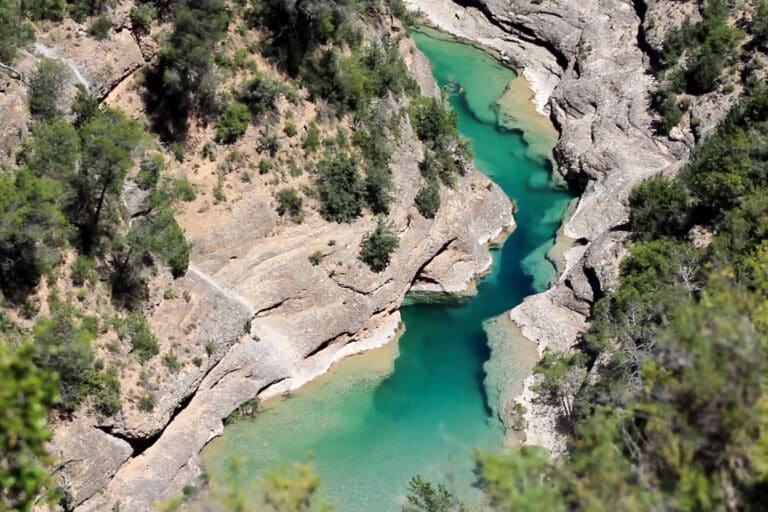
(373,424)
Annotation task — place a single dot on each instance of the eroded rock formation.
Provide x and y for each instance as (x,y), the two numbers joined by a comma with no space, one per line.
(592,65)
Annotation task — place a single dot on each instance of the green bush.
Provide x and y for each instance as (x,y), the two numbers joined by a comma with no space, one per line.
(265,165)
(183,189)
(316,258)
(142,16)
(340,187)
(84,271)
(143,342)
(295,30)
(290,202)
(311,140)
(100,27)
(45,89)
(183,81)
(147,401)
(261,93)
(233,123)
(159,234)
(106,393)
(171,362)
(290,129)
(32,227)
(432,121)
(351,82)
(659,208)
(149,171)
(707,46)
(378,246)
(667,104)
(378,188)
(703,72)
(65,348)
(13,31)
(27,392)
(428,199)
(759,25)
(270,143)
(54,10)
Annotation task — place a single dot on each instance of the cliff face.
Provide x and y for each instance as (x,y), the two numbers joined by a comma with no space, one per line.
(591,64)
(257,317)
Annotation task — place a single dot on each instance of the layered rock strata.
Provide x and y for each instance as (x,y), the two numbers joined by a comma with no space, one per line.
(258,317)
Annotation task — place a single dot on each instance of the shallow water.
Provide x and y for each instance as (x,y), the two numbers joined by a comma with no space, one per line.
(419,405)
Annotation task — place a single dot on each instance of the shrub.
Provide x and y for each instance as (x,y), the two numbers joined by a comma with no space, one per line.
(667,104)
(265,165)
(100,27)
(295,30)
(142,16)
(143,342)
(432,121)
(159,235)
(45,89)
(290,129)
(149,171)
(65,348)
(378,246)
(351,82)
(44,9)
(233,123)
(703,72)
(659,208)
(106,391)
(171,362)
(27,392)
(316,258)
(270,143)
(218,191)
(311,140)
(147,401)
(183,79)
(290,202)
(341,189)
(428,199)
(83,271)
(261,93)
(183,189)
(13,31)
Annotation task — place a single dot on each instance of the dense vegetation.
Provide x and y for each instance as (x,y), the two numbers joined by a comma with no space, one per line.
(63,225)
(695,55)
(674,414)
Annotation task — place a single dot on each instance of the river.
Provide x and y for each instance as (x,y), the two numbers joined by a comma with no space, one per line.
(418,406)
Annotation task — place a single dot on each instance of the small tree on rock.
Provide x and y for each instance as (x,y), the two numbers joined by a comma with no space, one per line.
(379,245)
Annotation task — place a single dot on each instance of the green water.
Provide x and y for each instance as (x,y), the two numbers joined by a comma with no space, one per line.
(373,424)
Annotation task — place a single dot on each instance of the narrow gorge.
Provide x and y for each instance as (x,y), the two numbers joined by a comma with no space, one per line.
(240,234)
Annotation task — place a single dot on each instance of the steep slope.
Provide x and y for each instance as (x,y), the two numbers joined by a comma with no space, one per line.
(266,303)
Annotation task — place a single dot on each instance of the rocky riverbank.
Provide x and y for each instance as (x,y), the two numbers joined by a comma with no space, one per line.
(591,67)
(259,317)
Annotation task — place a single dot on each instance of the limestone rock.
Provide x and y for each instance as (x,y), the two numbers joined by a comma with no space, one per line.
(277,319)
(590,63)
(86,457)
